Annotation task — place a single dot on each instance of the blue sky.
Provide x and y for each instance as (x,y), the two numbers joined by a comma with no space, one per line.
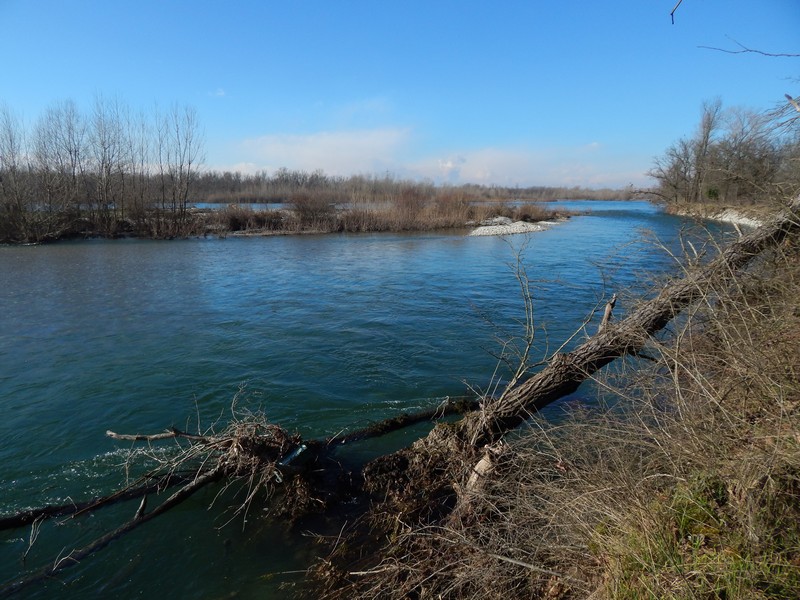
(568,92)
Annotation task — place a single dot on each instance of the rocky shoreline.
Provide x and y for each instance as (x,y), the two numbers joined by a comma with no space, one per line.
(734,216)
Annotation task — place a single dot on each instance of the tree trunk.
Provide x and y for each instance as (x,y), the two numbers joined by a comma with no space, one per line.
(422,476)
(566,372)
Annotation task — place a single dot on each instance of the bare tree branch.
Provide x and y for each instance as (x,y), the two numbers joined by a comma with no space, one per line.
(672,12)
(745,50)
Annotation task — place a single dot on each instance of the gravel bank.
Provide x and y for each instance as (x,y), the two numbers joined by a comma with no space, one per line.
(512,228)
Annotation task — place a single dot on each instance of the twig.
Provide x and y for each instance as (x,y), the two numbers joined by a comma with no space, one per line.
(672,12)
(745,50)
(520,563)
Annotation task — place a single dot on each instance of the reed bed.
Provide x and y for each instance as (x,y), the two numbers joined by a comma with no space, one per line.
(408,210)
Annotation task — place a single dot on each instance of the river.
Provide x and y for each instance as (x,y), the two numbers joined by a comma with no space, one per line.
(324,333)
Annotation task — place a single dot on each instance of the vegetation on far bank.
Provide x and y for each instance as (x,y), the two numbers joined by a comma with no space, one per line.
(736,157)
(409,210)
(112,172)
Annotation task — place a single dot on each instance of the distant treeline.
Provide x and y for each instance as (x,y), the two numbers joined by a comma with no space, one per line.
(107,172)
(735,157)
(283,184)
(111,171)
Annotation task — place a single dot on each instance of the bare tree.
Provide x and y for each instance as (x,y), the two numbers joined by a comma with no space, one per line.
(109,159)
(748,157)
(139,192)
(709,124)
(178,151)
(57,160)
(14,197)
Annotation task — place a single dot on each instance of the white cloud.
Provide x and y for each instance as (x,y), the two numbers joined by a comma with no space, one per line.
(588,165)
(335,152)
(217,93)
(375,151)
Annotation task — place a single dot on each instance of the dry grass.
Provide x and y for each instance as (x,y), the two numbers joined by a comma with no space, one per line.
(682,483)
(410,208)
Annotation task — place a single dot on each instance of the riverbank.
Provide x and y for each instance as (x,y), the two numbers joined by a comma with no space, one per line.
(679,480)
(309,215)
(750,216)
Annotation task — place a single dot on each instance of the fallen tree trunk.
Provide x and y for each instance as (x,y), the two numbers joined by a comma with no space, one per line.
(566,372)
(421,478)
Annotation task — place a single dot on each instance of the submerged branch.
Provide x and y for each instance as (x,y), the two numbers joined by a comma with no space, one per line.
(131,492)
(171,433)
(76,556)
(459,406)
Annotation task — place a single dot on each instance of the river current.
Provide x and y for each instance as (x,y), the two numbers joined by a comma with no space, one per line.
(324,333)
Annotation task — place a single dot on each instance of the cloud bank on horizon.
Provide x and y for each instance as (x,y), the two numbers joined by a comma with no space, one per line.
(388,150)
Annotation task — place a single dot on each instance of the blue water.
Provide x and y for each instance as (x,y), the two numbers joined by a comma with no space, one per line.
(324,333)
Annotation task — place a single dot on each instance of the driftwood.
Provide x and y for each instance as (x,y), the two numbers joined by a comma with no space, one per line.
(251,449)
(170,433)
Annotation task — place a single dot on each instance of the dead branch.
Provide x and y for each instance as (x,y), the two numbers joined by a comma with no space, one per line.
(171,433)
(457,406)
(672,12)
(607,313)
(131,492)
(76,556)
(745,50)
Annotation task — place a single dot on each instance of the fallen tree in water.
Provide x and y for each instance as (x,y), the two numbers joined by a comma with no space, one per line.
(628,337)
(263,457)
(679,482)
(451,451)
(430,480)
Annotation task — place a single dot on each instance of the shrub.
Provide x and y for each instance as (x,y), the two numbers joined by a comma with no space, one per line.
(314,209)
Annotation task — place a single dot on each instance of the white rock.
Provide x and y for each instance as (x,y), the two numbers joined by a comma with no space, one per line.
(509,229)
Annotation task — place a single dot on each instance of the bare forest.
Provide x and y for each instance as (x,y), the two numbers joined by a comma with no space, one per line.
(736,157)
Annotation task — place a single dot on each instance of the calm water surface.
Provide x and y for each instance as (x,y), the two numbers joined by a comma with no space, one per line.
(324,333)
